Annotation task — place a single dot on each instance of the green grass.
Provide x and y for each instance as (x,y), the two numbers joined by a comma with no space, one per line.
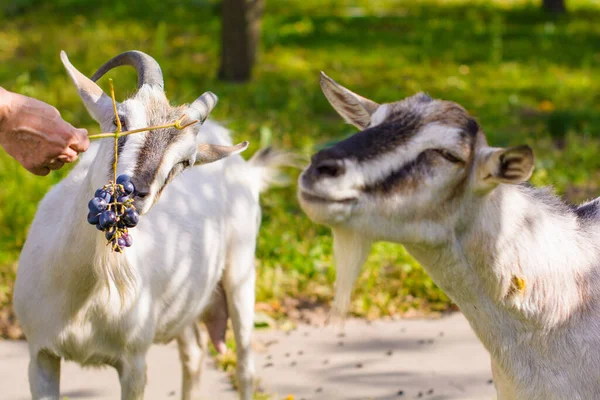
(529,78)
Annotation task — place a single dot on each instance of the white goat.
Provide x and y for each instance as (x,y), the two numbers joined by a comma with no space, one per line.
(523,266)
(78,300)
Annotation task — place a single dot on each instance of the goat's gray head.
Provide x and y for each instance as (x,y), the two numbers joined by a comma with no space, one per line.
(412,163)
(151,158)
(403,178)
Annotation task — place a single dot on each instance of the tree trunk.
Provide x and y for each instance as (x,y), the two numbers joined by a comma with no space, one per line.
(555,6)
(240,35)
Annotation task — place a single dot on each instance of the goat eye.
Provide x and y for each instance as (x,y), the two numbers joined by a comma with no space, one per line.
(180,166)
(123,122)
(177,169)
(449,156)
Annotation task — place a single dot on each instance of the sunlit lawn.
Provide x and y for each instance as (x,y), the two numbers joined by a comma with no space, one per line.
(528,77)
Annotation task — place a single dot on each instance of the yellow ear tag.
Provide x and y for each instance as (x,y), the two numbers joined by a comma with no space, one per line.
(518,283)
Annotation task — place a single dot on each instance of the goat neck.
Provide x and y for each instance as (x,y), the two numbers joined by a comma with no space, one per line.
(518,259)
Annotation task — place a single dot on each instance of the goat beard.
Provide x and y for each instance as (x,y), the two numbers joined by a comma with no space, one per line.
(350,249)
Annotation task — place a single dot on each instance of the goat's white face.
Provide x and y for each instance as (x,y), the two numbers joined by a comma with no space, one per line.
(406,173)
(152,158)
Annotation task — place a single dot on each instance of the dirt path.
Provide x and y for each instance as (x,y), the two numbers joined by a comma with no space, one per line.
(412,359)
(164,377)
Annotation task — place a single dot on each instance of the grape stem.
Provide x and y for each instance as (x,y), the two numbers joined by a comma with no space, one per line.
(178,123)
(175,124)
(118,131)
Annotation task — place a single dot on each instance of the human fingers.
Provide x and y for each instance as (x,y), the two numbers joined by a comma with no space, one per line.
(55,164)
(68,155)
(61,132)
(67,159)
(80,142)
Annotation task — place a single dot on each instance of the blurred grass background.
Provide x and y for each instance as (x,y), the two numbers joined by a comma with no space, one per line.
(530,77)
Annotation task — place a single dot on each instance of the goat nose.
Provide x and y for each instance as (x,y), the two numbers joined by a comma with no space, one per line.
(329,168)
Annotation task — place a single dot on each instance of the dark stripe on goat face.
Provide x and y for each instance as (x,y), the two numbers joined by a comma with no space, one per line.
(406,178)
(151,156)
(375,142)
(404,120)
(156,142)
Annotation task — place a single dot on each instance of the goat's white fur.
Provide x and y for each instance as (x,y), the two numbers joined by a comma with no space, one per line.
(136,113)
(544,340)
(542,332)
(201,231)
(78,300)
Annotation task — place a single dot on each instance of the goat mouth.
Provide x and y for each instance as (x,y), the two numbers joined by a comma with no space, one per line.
(313,198)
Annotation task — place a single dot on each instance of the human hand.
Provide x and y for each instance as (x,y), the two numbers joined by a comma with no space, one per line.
(34,133)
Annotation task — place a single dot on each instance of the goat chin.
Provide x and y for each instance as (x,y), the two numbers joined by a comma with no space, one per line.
(350,250)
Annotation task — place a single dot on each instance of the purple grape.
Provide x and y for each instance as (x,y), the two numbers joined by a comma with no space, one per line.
(103,194)
(107,219)
(123,178)
(112,212)
(93,219)
(128,240)
(97,205)
(131,218)
(110,234)
(128,187)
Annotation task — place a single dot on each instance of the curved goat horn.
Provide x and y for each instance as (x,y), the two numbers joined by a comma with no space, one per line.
(148,70)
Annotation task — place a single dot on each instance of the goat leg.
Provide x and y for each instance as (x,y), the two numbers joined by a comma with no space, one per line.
(44,376)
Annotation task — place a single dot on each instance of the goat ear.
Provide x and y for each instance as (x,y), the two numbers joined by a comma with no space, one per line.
(98,104)
(203,105)
(513,165)
(355,109)
(208,153)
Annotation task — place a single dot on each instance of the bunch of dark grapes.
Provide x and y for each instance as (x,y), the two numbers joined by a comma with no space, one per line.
(113,212)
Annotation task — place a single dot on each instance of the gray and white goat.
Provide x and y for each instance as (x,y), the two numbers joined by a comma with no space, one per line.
(78,300)
(523,266)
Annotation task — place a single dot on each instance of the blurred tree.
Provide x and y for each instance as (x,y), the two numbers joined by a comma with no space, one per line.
(240,35)
(557,6)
